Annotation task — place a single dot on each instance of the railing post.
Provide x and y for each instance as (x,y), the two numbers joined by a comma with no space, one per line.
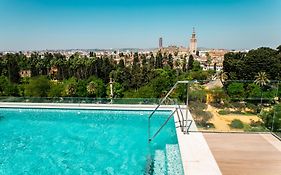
(274,112)
(187,105)
(179,119)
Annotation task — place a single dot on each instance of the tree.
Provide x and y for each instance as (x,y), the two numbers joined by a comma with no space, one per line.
(91,88)
(272,118)
(12,67)
(236,90)
(95,87)
(253,91)
(184,64)
(3,85)
(215,67)
(82,88)
(159,60)
(7,88)
(136,73)
(244,66)
(121,64)
(151,61)
(190,62)
(261,80)
(197,53)
(136,61)
(38,87)
(106,68)
(209,60)
(91,54)
(197,93)
(118,90)
(196,66)
(218,95)
(70,87)
(56,89)
(171,61)
(60,63)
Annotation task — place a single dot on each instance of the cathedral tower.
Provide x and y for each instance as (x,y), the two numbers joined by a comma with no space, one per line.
(193,43)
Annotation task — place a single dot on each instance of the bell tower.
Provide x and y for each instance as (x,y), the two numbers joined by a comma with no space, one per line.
(193,43)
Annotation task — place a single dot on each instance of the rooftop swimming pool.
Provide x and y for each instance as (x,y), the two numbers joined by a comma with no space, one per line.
(66,141)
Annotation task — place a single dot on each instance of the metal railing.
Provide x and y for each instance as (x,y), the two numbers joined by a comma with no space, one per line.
(184,123)
(80,100)
(162,126)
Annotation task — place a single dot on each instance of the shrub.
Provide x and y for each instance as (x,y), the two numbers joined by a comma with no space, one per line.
(257,129)
(224,112)
(236,90)
(225,104)
(56,89)
(238,105)
(194,106)
(241,113)
(238,124)
(210,125)
(218,95)
(37,87)
(272,117)
(252,107)
(255,123)
(201,118)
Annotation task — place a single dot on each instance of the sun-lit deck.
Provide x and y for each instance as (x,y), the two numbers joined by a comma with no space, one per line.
(246,154)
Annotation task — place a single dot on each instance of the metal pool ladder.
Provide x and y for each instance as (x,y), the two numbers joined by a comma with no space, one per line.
(184,123)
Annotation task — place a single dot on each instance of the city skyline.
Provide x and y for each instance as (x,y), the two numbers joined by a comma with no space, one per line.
(229,24)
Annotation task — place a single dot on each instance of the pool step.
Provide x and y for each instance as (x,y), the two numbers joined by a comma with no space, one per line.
(174,164)
(159,163)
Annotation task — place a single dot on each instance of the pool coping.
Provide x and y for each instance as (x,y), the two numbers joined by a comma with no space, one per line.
(196,156)
(83,106)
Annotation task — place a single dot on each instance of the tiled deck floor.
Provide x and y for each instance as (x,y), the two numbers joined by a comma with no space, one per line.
(246,154)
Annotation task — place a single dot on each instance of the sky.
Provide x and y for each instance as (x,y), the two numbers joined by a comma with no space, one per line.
(89,24)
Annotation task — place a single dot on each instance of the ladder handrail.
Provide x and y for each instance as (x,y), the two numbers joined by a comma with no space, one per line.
(188,126)
(161,102)
(171,90)
(182,117)
(164,99)
(150,139)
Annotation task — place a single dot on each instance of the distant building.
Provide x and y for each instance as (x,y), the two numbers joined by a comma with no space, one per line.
(160,43)
(193,43)
(217,53)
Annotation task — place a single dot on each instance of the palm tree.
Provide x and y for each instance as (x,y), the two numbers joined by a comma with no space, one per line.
(91,88)
(261,80)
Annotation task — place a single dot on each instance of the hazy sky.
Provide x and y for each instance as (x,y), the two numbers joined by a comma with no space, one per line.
(63,24)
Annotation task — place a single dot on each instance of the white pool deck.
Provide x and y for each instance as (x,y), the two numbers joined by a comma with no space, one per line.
(196,155)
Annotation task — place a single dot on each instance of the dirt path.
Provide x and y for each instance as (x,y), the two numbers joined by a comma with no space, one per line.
(218,120)
(222,122)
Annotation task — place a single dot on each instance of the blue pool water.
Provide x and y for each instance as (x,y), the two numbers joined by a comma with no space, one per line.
(55,141)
